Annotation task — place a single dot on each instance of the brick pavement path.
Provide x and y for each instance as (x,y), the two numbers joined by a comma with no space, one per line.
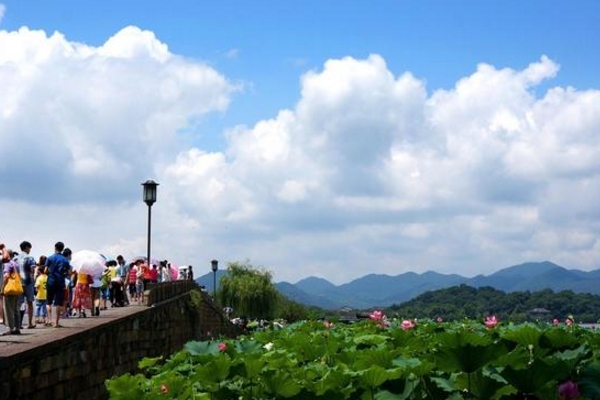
(40,335)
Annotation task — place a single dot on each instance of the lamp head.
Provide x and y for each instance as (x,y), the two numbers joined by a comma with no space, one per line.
(214,264)
(149,192)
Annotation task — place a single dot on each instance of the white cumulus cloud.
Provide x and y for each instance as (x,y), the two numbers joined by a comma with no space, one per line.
(95,119)
(369,172)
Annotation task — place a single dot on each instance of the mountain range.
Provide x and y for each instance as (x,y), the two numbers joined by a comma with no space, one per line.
(376,290)
(384,290)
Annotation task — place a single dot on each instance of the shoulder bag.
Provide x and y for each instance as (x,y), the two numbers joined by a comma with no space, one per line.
(13,286)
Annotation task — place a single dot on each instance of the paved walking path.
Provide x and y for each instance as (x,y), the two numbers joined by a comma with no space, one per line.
(40,335)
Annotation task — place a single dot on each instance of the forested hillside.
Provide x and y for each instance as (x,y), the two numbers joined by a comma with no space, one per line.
(467,302)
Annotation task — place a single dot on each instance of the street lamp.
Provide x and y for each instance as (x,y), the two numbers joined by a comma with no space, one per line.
(214,264)
(149,199)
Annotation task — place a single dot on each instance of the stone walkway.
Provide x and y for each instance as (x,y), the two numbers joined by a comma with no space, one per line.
(40,335)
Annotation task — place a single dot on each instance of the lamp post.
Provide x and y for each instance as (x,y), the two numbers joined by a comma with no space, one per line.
(149,199)
(214,264)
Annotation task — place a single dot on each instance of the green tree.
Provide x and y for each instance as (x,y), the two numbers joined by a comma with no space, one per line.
(248,290)
(291,311)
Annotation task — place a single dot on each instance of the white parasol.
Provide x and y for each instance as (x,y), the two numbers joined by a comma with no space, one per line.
(88,262)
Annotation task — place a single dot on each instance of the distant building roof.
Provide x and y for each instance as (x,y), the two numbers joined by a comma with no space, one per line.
(540,311)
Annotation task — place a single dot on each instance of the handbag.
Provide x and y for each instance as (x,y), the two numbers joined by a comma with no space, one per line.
(13,287)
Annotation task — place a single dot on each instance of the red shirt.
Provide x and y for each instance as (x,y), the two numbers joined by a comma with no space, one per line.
(153,274)
(146,271)
(132,275)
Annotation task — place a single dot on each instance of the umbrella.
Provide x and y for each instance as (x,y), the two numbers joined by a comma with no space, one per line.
(88,262)
(153,261)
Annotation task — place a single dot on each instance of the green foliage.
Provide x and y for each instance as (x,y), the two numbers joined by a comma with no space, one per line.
(249,291)
(458,360)
(459,302)
(291,311)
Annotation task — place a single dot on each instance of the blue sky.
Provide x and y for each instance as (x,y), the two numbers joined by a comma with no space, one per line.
(269,57)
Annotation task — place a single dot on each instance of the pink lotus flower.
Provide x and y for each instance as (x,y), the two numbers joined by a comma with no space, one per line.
(328,324)
(407,324)
(568,390)
(439,320)
(222,347)
(164,389)
(555,322)
(380,318)
(491,321)
(569,321)
(377,315)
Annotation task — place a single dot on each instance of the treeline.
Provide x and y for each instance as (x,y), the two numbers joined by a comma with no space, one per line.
(463,301)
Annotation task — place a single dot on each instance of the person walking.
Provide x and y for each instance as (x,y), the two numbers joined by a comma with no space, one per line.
(95,292)
(27,266)
(11,272)
(122,271)
(41,312)
(82,299)
(58,270)
(131,280)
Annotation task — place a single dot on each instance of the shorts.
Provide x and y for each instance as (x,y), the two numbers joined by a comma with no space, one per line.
(132,289)
(29,293)
(104,293)
(55,295)
(40,309)
(139,287)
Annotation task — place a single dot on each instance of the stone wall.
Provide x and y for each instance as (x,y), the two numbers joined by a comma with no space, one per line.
(76,367)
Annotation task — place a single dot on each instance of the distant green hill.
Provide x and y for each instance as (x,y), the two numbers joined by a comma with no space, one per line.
(464,301)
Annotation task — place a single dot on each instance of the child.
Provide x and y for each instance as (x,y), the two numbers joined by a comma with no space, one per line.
(41,312)
(105,286)
(139,287)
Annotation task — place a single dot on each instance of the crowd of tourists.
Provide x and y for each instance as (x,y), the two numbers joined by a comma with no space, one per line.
(41,292)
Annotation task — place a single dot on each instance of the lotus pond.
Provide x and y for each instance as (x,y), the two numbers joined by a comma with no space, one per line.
(379,359)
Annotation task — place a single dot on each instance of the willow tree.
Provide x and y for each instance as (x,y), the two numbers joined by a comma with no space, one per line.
(248,290)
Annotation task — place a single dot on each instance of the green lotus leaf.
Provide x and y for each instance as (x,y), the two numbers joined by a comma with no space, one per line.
(253,366)
(126,387)
(373,376)
(248,346)
(558,339)
(406,394)
(373,357)
(525,334)
(464,337)
(574,354)
(370,339)
(280,384)
(407,363)
(467,358)
(333,380)
(149,362)
(447,385)
(199,348)
(483,386)
(532,379)
(589,384)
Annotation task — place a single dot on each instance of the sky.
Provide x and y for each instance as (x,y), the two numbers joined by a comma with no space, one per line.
(310,138)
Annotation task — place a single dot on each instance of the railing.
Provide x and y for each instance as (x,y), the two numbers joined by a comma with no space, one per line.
(159,292)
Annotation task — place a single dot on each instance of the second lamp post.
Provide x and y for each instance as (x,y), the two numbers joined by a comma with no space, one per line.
(214,264)
(149,199)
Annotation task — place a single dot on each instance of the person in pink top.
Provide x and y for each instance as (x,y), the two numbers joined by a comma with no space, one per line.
(131,281)
(153,274)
